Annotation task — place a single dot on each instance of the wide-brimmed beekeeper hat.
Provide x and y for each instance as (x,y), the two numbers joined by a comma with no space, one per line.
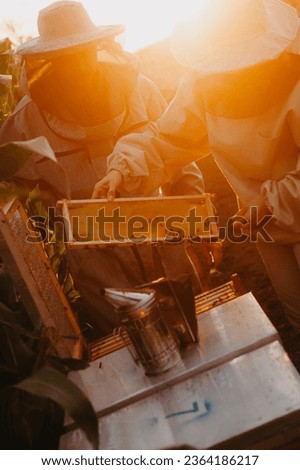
(65,25)
(230,35)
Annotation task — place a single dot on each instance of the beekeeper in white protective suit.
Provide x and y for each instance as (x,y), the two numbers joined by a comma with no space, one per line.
(241,100)
(83,92)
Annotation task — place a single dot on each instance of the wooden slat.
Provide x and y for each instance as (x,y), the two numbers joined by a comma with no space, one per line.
(109,344)
(214,297)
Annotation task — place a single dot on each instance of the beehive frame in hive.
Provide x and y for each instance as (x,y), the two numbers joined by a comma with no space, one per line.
(138,220)
(35,281)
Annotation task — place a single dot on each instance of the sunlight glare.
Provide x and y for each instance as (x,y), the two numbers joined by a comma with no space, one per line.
(146,21)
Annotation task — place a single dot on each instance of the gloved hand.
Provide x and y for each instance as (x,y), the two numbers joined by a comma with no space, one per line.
(106,188)
(247,217)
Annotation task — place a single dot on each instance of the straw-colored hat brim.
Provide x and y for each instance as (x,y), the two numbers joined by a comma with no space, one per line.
(215,58)
(39,48)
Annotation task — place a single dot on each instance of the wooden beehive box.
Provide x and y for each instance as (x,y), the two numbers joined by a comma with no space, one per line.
(249,402)
(30,269)
(138,220)
(225,332)
(236,389)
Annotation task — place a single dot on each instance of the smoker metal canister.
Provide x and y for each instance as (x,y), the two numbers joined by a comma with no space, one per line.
(153,343)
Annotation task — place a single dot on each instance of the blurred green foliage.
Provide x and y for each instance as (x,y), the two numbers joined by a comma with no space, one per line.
(10,69)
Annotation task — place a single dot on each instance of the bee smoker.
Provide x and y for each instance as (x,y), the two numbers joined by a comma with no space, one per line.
(153,344)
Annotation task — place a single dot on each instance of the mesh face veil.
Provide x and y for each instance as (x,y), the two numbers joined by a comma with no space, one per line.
(86,87)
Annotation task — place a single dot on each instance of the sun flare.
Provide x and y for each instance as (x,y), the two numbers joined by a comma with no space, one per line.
(146,22)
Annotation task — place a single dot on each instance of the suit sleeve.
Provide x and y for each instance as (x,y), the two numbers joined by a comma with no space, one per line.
(282,197)
(178,137)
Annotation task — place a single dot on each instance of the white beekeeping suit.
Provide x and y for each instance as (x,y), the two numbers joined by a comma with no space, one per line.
(241,102)
(83,93)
